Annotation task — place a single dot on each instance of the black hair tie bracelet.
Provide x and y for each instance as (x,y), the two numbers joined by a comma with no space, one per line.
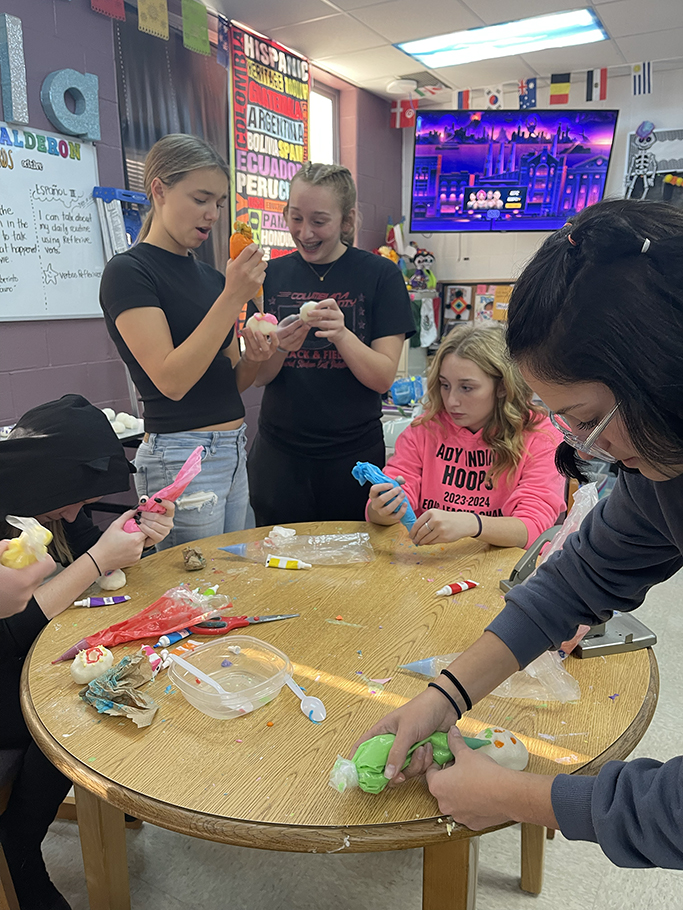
(459,686)
(433,685)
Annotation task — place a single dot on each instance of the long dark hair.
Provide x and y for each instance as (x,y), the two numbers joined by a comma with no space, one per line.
(602,301)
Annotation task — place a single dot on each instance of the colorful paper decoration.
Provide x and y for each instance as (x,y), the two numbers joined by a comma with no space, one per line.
(494,97)
(112,8)
(403,113)
(223,47)
(153,18)
(464,100)
(270,87)
(13,70)
(527,94)
(196,27)
(596,84)
(641,74)
(559,88)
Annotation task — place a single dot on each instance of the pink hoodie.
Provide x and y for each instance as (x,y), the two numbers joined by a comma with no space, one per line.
(445,468)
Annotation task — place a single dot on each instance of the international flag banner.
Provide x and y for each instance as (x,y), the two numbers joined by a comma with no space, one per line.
(223,43)
(494,97)
(195,27)
(464,100)
(153,18)
(403,113)
(596,84)
(112,8)
(641,74)
(559,88)
(527,94)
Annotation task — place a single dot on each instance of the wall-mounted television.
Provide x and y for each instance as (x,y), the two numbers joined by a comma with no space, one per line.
(508,170)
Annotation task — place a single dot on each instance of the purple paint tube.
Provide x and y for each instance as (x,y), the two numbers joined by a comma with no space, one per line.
(101,601)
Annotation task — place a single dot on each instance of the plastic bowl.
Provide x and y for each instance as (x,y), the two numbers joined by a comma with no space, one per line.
(251,678)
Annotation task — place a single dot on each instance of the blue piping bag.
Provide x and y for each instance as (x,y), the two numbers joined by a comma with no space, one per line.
(364,472)
(238,549)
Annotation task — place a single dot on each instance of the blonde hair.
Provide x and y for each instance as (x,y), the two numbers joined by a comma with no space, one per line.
(171,159)
(338,178)
(513,413)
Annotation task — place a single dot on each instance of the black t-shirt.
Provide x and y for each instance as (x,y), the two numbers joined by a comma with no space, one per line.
(185,289)
(315,405)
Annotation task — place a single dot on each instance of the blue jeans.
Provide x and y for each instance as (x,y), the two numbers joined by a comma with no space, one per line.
(216,501)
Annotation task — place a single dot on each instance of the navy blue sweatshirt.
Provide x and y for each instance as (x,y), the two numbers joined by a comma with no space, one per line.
(629,542)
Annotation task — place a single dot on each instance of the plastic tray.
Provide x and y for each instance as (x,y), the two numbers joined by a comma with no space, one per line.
(252,678)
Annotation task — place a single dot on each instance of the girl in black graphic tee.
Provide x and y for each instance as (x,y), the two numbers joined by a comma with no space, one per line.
(322,400)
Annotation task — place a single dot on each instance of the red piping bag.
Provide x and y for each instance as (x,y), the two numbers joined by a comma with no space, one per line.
(177,609)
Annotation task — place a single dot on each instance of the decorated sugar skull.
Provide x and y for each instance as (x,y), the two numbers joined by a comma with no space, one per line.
(504,748)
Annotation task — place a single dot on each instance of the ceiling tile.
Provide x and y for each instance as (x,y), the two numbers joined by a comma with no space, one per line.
(265,15)
(492,12)
(569,59)
(329,37)
(356,4)
(652,46)
(397,19)
(486,72)
(633,17)
(370,64)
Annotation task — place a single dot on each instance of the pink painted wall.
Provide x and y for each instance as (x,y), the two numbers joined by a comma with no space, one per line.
(40,361)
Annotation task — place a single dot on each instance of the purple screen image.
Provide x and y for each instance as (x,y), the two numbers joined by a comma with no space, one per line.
(508,170)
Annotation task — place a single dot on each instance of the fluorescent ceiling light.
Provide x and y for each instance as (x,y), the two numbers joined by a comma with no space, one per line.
(577,26)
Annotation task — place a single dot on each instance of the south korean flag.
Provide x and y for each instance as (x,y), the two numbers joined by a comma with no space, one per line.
(494,97)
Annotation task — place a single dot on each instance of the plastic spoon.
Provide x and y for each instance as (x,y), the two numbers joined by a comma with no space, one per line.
(198,674)
(312,707)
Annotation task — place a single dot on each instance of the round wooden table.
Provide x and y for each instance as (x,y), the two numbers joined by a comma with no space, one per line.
(243,782)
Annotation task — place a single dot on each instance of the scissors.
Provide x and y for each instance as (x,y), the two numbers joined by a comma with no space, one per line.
(224,624)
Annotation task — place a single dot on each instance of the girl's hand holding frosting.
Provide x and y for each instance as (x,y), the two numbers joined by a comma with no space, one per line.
(116,548)
(244,275)
(155,525)
(385,499)
(328,320)
(17,585)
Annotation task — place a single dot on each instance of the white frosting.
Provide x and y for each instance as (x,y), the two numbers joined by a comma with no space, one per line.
(91,663)
(306,309)
(506,749)
(261,325)
(112,582)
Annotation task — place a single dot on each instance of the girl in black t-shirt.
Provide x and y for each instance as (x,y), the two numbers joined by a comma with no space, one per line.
(172,319)
(321,405)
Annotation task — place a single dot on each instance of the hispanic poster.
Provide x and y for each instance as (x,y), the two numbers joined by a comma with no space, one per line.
(270,88)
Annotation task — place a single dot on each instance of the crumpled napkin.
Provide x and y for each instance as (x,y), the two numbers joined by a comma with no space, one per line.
(115,692)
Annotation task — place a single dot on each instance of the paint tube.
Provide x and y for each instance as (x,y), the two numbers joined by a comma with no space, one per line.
(154,659)
(172,638)
(284,562)
(101,601)
(457,587)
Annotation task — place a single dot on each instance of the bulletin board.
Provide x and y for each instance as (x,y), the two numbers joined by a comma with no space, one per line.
(269,133)
(51,255)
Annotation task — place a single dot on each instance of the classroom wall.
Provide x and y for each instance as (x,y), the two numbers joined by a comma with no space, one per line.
(494,256)
(40,361)
(373,152)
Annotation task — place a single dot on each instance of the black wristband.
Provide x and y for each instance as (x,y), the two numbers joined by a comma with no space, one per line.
(478,517)
(433,685)
(459,686)
(88,553)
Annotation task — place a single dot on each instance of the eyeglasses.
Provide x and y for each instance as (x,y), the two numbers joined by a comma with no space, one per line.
(588,445)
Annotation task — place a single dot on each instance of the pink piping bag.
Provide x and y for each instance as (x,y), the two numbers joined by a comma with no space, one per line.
(187,473)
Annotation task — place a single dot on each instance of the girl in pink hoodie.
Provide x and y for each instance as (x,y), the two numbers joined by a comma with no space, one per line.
(480,462)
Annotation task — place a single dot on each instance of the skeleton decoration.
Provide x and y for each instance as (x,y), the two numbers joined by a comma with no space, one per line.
(643,164)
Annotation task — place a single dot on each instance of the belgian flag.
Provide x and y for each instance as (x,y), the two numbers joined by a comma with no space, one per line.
(559,88)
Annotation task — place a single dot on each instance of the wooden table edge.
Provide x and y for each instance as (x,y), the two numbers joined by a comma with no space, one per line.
(295,838)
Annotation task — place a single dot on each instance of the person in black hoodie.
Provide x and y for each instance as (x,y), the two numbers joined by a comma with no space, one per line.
(59,457)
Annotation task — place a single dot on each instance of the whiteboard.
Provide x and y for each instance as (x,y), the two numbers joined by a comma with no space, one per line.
(51,255)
